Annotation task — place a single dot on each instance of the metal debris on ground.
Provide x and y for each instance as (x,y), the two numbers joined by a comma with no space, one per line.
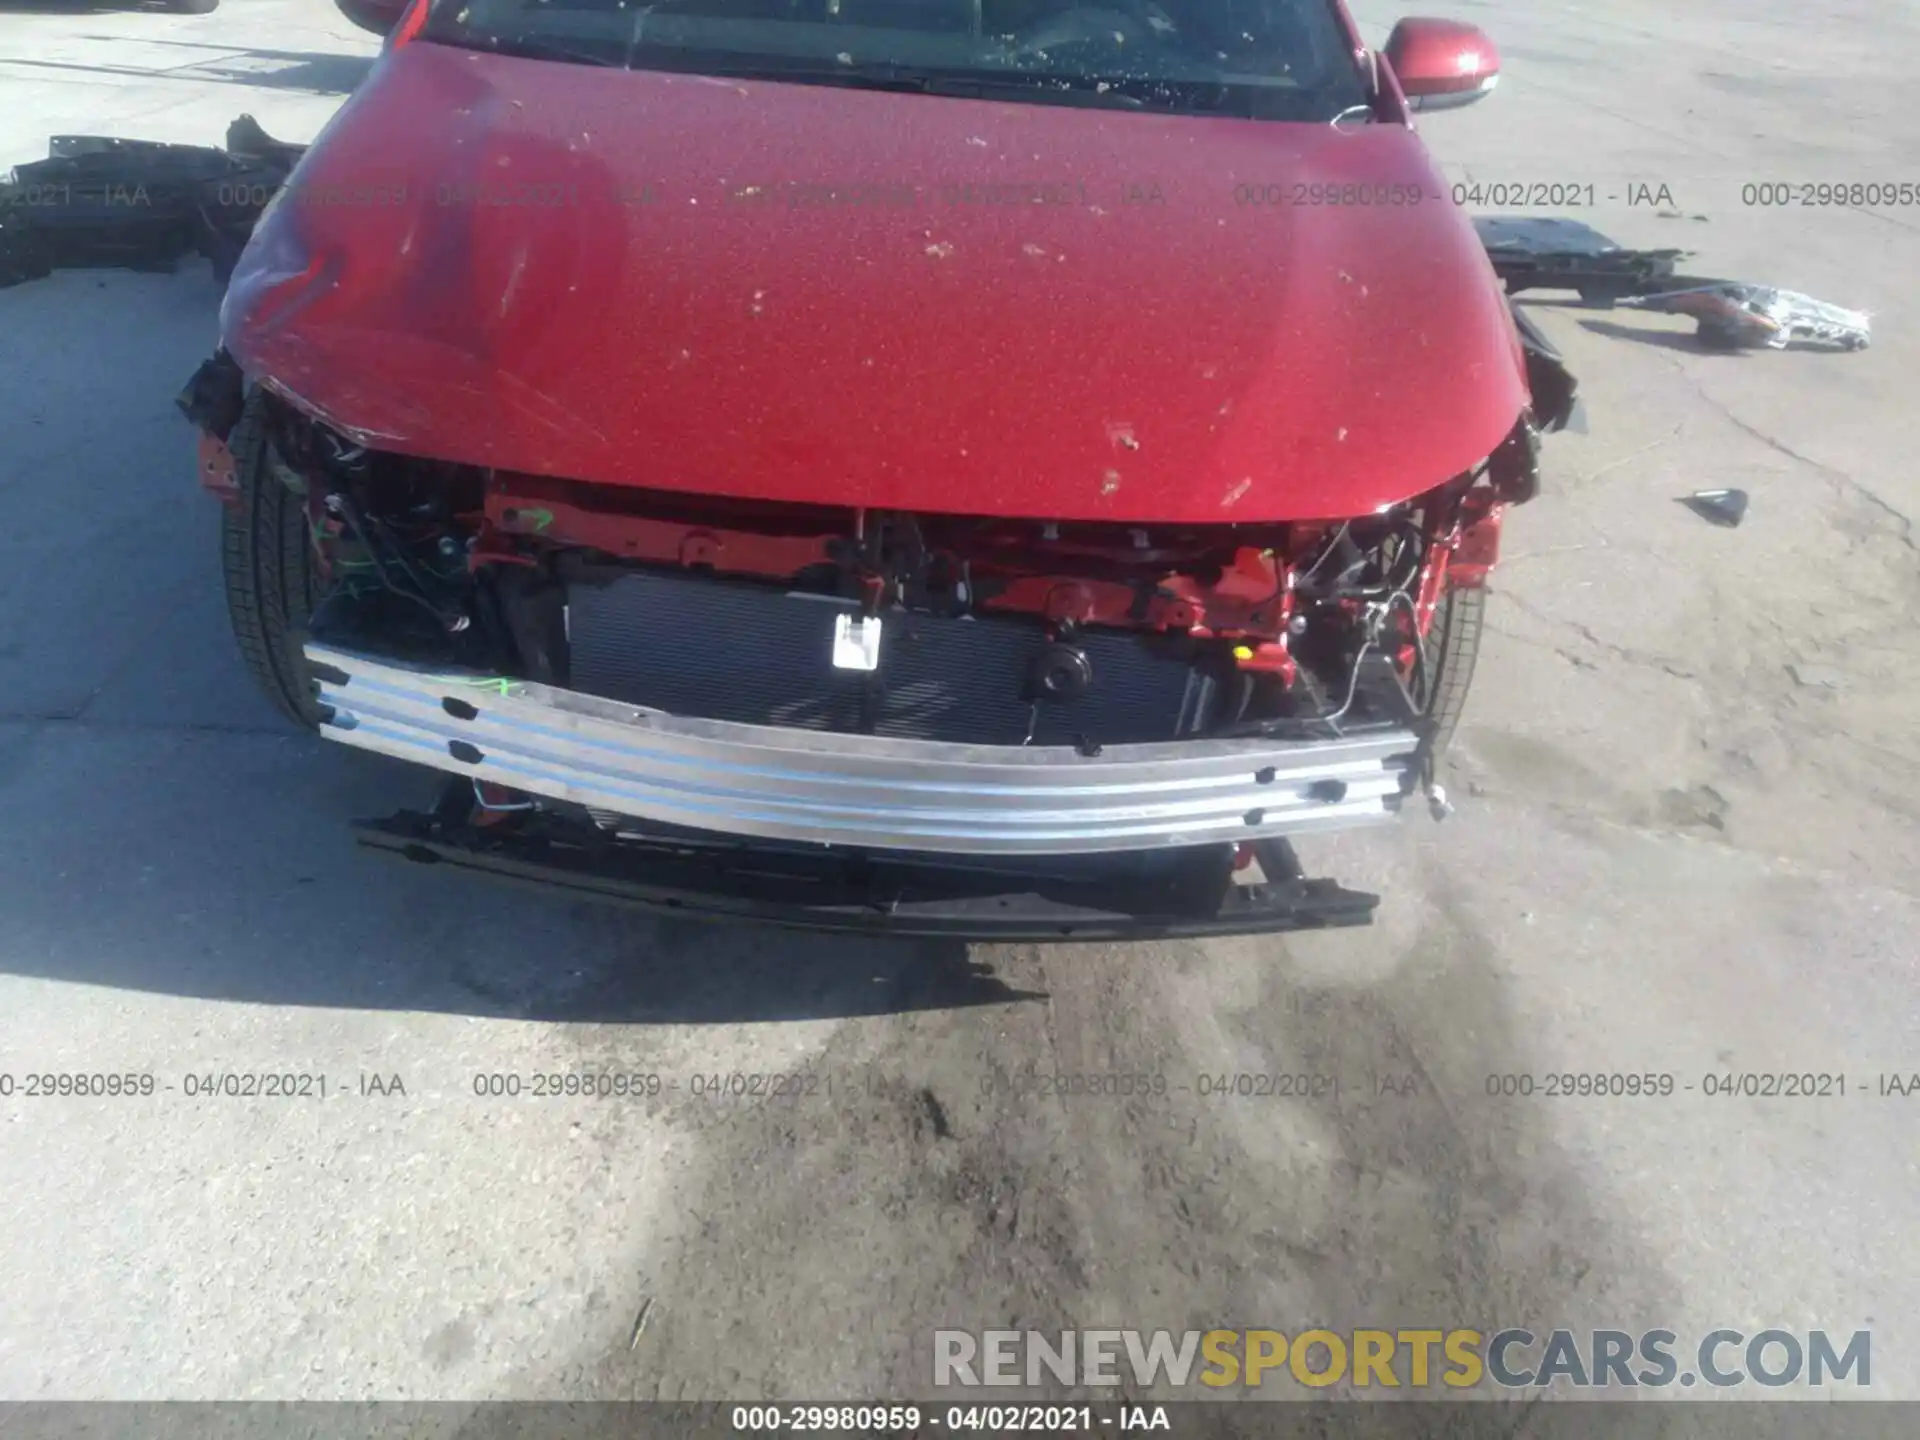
(1734,316)
(640,1323)
(1815,677)
(1722,507)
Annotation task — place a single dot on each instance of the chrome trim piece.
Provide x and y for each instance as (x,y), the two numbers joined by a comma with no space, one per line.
(856,790)
(1453,99)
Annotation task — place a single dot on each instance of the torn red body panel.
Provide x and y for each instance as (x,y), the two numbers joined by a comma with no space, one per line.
(1475,553)
(645,279)
(216,468)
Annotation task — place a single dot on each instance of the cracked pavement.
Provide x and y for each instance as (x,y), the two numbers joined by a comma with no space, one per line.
(1670,855)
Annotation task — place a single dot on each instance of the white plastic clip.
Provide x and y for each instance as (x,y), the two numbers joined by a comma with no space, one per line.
(856,642)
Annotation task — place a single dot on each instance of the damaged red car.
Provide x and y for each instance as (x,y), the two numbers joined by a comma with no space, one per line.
(984,468)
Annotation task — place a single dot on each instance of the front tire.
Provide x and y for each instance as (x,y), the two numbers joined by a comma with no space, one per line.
(193,7)
(272,582)
(1453,645)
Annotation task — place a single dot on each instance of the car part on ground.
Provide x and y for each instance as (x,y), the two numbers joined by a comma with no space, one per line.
(1733,316)
(1535,253)
(1726,508)
(101,202)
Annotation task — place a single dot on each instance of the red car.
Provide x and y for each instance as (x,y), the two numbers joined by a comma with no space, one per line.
(994,468)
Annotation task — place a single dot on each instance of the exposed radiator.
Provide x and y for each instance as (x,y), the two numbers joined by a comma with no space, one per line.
(692,645)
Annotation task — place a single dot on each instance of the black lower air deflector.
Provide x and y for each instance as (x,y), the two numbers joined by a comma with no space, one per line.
(1123,897)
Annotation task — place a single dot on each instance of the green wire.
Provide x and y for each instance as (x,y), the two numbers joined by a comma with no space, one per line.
(502,683)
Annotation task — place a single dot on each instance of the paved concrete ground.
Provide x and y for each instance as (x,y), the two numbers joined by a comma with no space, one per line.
(1671,855)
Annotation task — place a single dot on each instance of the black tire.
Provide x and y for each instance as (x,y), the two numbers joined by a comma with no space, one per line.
(193,7)
(272,582)
(1453,647)
(376,20)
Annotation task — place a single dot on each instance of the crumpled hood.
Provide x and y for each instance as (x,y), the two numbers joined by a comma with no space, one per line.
(809,293)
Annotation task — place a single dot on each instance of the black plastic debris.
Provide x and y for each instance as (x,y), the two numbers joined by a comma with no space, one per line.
(1721,507)
(1531,252)
(213,397)
(246,136)
(101,202)
(1556,406)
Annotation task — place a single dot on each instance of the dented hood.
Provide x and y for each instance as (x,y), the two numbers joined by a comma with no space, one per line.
(810,293)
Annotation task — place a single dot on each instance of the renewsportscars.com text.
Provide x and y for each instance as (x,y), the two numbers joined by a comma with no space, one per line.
(1455,1359)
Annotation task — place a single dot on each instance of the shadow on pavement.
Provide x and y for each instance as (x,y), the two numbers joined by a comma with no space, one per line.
(281,69)
(1660,339)
(82,7)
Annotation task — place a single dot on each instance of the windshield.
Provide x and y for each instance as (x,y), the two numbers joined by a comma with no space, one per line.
(1263,59)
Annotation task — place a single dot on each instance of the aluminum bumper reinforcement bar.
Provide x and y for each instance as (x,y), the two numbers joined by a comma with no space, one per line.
(858,791)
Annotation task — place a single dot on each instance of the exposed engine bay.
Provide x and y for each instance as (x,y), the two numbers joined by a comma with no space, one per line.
(965,630)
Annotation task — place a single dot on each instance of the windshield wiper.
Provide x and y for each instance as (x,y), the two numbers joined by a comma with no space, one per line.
(1048,85)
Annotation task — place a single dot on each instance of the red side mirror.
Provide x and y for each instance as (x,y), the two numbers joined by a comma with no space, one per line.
(379,16)
(1441,64)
